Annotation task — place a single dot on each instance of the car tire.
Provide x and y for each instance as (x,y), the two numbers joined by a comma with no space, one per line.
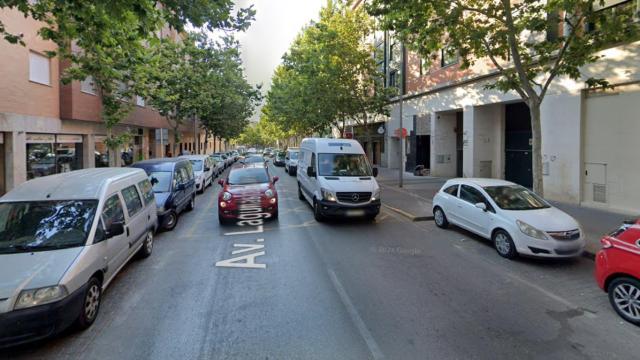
(504,244)
(90,304)
(170,221)
(286,170)
(440,218)
(222,220)
(275,215)
(147,247)
(372,217)
(317,213)
(620,290)
(300,194)
(192,203)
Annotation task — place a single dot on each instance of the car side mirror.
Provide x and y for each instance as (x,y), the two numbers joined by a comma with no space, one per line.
(375,172)
(207,169)
(275,179)
(154,181)
(482,206)
(180,187)
(287,158)
(115,229)
(311,172)
(221,182)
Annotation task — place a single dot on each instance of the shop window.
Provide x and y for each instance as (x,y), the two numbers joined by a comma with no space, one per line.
(101,152)
(45,156)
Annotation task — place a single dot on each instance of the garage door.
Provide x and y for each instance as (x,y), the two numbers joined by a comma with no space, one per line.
(612,149)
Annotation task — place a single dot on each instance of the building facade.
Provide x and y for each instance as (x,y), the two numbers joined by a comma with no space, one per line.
(458,128)
(47,127)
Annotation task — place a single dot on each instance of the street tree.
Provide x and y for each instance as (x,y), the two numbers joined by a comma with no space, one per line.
(329,75)
(520,38)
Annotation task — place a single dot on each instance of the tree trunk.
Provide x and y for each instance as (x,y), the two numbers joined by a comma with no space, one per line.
(367,137)
(536,129)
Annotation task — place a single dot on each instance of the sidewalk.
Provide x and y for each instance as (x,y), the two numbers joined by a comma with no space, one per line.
(414,201)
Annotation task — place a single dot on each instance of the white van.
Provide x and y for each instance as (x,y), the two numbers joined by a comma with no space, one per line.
(336,178)
(291,161)
(63,238)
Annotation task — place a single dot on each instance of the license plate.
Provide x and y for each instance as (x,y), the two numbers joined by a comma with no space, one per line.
(355,212)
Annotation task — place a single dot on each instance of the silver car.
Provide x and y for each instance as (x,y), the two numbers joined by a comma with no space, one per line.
(63,239)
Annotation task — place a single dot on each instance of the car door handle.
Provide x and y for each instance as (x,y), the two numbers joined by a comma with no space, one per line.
(127,230)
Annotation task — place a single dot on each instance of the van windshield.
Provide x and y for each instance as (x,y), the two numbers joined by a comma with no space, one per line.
(160,180)
(343,165)
(293,155)
(45,225)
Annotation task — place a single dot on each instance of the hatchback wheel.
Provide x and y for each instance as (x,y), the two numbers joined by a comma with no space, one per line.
(171,220)
(440,218)
(624,295)
(91,304)
(504,245)
(147,248)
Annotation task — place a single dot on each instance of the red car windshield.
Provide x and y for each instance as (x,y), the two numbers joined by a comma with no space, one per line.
(248,176)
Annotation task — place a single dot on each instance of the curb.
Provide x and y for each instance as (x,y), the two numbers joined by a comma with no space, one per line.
(409,216)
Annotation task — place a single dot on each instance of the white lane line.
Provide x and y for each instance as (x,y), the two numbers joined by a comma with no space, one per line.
(258,230)
(355,317)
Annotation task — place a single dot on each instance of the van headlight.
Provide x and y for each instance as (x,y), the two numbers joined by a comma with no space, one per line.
(376,195)
(226,196)
(41,296)
(531,231)
(328,195)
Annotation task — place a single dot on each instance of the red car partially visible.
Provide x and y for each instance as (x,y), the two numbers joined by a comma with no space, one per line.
(618,270)
(248,196)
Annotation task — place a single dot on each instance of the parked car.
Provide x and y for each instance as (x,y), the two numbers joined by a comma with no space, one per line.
(618,270)
(218,164)
(64,238)
(291,161)
(174,186)
(517,220)
(243,181)
(255,159)
(336,178)
(226,159)
(202,170)
(279,158)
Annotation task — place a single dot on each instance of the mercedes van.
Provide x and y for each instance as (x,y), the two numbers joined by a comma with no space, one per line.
(63,239)
(335,177)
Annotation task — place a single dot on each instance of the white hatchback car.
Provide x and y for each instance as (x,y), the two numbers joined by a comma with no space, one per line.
(516,219)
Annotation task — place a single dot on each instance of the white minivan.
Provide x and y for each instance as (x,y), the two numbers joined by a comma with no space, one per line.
(335,177)
(63,238)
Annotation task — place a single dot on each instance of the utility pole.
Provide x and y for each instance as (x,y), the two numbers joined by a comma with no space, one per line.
(401,129)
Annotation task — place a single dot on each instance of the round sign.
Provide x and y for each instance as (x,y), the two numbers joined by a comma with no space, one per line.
(381,130)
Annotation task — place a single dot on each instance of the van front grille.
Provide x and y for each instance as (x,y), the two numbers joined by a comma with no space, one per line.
(354,197)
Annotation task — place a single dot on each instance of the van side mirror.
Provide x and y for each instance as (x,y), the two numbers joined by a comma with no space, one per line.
(115,229)
(482,206)
(375,172)
(311,172)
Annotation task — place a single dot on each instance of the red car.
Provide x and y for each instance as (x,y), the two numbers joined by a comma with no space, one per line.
(618,270)
(248,196)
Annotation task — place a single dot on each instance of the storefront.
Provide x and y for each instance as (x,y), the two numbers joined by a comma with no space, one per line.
(49,154)
(101,152)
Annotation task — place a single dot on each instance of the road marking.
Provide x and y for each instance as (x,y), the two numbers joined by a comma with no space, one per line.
(374,349)
(246,261)
(245,248)
(258,230)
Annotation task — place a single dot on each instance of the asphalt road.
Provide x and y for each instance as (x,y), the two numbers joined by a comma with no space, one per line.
(347,289)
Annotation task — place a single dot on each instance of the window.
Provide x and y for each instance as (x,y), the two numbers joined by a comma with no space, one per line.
(620,11)
(452,190)
(178,177)
(112,212)
(393,78)
(39,69)
(132,200)
(147,191)
(472,195)
(88,86)
(312,165)
(449,56)
(139,101)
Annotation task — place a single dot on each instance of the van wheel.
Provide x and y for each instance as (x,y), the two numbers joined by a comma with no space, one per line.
(317,214)
(300,194)
(90,305)
(624,295)
(147,248)
(171,220)
(504,245)
(440,218)
(192,203)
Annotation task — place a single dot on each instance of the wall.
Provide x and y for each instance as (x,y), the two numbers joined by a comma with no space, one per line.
(443,143)
(488,143)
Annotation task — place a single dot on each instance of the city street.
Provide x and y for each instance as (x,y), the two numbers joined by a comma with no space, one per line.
(344,289)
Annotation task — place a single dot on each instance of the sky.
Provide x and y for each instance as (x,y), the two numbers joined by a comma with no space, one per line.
(276,25)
